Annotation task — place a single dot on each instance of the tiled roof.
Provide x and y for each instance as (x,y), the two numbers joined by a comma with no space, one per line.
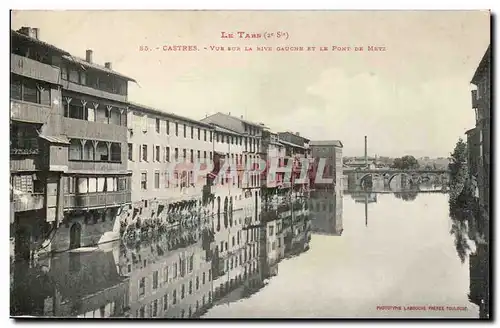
(291,144)
(336,143)
(483,64)
(224,130)
(35,40)
(54,139)
(147,109)
(85,63)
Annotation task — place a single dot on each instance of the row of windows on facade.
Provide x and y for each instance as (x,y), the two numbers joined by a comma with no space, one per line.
(153,309)
(105,311)
(94,79)
(93,150)
(29,90)
(161,154)
(28,183)
(23,135)
(252,235)
(83,185)
(185,178)
(222,288)
(94,112)
(164,126)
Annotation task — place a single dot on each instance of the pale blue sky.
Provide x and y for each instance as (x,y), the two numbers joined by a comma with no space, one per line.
(411,99)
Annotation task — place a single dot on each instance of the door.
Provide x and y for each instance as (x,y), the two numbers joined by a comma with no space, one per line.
(74,236)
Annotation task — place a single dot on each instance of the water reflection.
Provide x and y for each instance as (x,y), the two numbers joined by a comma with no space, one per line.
(223,260)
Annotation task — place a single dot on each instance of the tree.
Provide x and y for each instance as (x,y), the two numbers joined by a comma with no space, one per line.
(406,162)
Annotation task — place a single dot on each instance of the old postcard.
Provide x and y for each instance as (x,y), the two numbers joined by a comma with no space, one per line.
(250,164)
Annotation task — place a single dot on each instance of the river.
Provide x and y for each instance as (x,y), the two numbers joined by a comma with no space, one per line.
(354,254)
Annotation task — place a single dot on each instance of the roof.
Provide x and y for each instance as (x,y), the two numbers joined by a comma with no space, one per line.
(151,110)
(95,66)
(291,144)
(471,131)
(229,121)
(294,134)
(335,143)
(40,42)
(224,130)
(483,64)
(54,139)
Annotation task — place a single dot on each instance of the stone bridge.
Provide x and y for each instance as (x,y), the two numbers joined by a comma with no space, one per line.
(363,177)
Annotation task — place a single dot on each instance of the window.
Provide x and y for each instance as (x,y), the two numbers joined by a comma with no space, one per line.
(184,154)
(168,127)
(167,179)
(183,291)
(174,297)
(176,129)
(203,278)
(210,136)
(142,286)
(199,152)
(190,287)
(157,153)
(116,152)
(145,153)
(205,154)
(192,132)
(199,134)
(144,181)
(174,266)
(205,135)
(217,137)
(165,302)
(209,274)
(165,274)
(191,262)
(130,152)
(154,308)
(155,280)
(157,125)
(142,312)
(192,155)
(176,153)
(157,180)
(167,154)
(185,130)
(197,283)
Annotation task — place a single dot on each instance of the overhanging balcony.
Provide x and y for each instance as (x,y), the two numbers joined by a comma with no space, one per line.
(93,92)
(29,112)
(34,69)
(97,200)
(76,128)
(27,201)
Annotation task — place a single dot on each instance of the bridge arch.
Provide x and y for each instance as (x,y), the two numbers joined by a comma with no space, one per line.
(397,174)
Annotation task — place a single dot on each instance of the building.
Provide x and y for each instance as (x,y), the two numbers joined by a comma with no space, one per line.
(325,208)
(331,152)
(473,156)
(481,104)
(274,154)
(83,285)
(157,141)
(68,147)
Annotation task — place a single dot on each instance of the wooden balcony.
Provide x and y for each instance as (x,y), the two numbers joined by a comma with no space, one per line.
(29,112)
(27,201)
(97,199)
(76,128)
(34,69)
(93,92)
(80,166)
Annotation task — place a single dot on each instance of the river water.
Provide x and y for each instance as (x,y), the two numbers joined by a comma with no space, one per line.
(353,254)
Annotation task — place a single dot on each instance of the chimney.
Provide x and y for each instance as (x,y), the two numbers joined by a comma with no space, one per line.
(29,31)
(297,134)
(241,116)
(108,65)
(229,113)
(366,151)
(88,55)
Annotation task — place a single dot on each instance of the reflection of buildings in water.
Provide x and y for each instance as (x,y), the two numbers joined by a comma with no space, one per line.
(479,279)
(364,197)
(326,212)
(71,284)
(170,276)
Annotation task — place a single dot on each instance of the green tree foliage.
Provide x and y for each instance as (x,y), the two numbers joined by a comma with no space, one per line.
(406,162)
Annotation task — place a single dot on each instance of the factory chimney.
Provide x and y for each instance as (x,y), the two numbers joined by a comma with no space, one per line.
(366,151)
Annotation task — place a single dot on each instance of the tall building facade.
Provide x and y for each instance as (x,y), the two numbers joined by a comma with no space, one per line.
(331,152)
(68,147)
(482,107)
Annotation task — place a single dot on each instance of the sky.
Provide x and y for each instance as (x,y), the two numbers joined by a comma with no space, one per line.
(413,98)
